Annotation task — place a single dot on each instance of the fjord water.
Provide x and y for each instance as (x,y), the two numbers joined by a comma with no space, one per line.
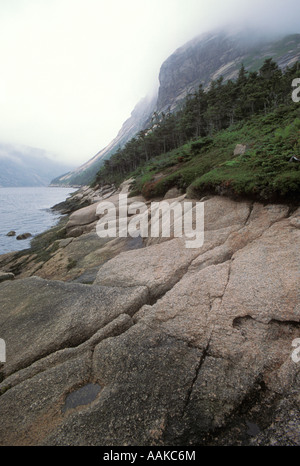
(27,210)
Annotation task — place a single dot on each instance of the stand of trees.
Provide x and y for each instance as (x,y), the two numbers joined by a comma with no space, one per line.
(204,113)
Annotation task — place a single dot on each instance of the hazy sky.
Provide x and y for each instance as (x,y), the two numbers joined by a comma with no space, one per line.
(72,70)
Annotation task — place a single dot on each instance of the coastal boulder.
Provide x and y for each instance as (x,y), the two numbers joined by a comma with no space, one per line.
(24,236)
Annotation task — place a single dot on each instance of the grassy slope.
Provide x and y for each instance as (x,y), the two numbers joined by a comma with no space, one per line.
(208,165)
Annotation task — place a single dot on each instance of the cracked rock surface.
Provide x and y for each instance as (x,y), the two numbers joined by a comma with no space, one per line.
(167,346)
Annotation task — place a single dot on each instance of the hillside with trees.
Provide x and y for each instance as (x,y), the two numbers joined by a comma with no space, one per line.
(193,148)
(200,61)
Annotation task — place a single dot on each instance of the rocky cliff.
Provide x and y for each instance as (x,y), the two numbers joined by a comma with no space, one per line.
(201,60)
(213,55)
(127,341)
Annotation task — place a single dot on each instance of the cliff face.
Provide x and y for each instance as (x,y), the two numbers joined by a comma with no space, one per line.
(201,60)
(210,56)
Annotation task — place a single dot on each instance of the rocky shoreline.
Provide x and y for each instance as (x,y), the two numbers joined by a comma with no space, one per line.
(165,345)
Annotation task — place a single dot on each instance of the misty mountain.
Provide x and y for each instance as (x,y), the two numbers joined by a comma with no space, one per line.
(201,60)
(26,166)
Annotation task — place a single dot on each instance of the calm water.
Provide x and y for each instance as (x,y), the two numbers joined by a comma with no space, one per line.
(27,210)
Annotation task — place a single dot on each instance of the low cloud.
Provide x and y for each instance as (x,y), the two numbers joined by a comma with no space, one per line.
(72,70)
